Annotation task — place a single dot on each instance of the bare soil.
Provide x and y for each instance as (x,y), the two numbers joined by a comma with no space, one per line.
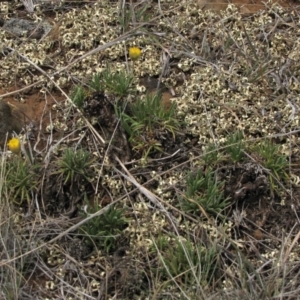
(257,211)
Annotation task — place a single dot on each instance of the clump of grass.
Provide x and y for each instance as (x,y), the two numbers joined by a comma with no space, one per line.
(117,83)
(273,160)
(146,121)
(96,83)
(78,95)
(21,180)
(74,166)
(102,231)
(189,264)
(235,147)
(211,155)
(203,190)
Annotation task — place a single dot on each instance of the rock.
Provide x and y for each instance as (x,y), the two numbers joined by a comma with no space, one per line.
(8,122)
(26,28)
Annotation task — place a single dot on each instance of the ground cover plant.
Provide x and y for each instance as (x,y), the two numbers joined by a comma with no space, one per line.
(164,161)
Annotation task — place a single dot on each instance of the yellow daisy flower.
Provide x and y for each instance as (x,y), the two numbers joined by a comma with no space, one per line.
(14,145)
(134,53)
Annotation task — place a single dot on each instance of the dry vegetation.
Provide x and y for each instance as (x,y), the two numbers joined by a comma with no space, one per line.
(173,176)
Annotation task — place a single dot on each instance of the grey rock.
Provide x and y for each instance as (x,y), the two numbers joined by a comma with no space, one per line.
(26,28)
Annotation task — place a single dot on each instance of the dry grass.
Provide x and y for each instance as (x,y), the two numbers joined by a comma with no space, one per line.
(225,72)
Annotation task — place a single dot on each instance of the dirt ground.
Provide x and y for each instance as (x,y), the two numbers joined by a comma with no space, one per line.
(260,217)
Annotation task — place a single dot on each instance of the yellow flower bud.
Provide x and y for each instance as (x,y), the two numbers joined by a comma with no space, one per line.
(134,53)
(14,145)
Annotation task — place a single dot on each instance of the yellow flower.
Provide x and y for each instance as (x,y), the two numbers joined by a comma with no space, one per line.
(14,145)
(134,53)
